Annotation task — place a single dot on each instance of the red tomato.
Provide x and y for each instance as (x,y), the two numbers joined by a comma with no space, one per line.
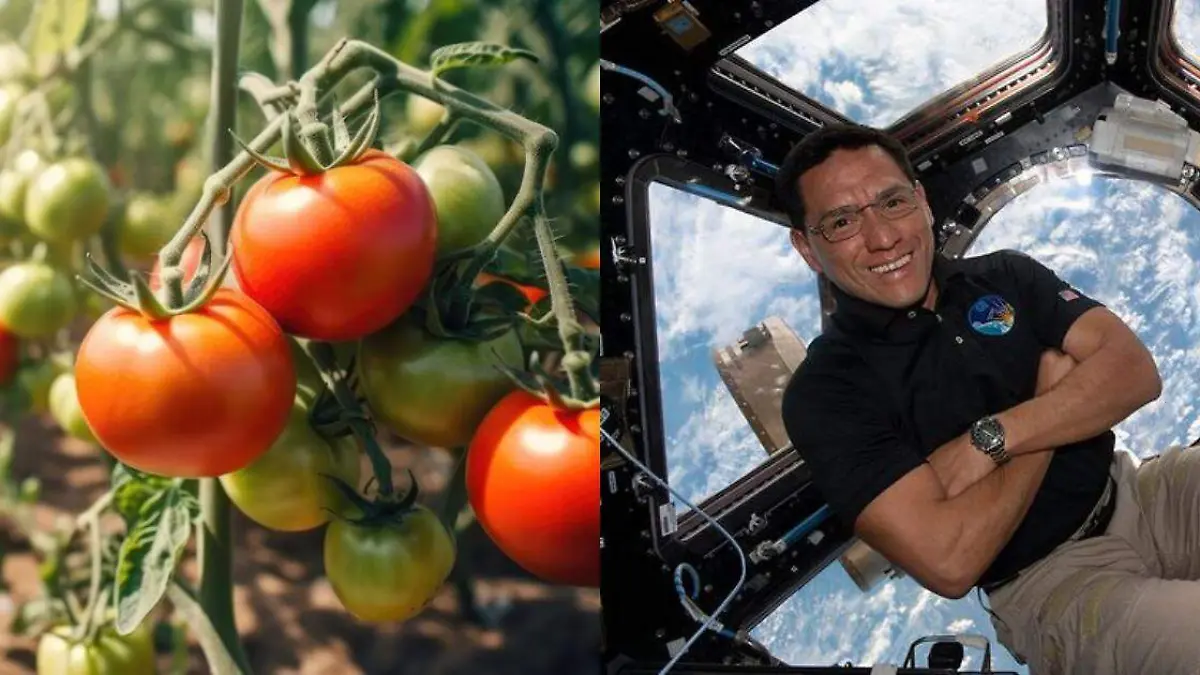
(588,259)
(339,255)
(533,479)
(10,355)
(198,394)
(190,262)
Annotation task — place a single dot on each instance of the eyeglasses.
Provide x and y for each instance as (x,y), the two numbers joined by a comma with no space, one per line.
(845,223)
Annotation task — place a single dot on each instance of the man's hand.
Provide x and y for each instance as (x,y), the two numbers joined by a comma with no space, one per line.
(959,465)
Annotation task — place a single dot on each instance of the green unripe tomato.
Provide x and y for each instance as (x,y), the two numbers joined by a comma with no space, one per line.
(147,224)
(36,300)
(109,654)
(465,192)
(67,201)
(434,391)
(14,183)
(422,114)
(64,408)
(284,488)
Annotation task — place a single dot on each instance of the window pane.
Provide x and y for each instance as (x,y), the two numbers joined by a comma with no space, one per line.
(1186,26)
(879,60)
(717,272)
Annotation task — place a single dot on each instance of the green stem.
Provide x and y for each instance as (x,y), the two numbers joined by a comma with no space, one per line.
(322,356)
(216,567)
(216,556)
(576,360)
(95,603)
(456,492)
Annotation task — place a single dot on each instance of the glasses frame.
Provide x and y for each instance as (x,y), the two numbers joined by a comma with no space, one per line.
(821,227)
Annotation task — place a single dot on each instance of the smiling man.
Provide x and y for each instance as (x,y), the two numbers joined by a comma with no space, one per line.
(958,414)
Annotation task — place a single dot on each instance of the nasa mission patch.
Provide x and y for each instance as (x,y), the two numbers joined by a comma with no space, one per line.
(991,315)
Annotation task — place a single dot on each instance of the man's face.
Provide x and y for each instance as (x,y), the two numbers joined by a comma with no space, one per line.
(854,178)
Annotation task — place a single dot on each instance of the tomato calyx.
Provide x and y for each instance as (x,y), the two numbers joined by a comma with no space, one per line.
(137,295)
(307,147)
(331,419)
(377,512)
(539,383)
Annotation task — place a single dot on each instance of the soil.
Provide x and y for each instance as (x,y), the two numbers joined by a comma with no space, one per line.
(290,621)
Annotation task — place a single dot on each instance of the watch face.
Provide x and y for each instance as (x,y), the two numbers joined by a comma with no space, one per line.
(988,433)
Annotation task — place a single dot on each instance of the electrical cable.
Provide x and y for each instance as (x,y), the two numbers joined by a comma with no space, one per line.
(711,622)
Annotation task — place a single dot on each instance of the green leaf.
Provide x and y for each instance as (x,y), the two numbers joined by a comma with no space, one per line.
(132,489)
(470,54)
(150,554)
(55,28)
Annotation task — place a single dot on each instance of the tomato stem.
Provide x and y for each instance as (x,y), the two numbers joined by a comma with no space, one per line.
(576,360)
(215,540)
(323,358)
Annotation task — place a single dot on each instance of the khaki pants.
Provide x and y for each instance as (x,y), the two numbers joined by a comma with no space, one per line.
(1123,603)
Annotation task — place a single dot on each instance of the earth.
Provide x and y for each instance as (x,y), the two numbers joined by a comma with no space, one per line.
(289,619)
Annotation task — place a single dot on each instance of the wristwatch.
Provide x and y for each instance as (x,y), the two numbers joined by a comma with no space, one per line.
(987,435)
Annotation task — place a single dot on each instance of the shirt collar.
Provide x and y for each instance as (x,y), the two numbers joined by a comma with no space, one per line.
(855,315)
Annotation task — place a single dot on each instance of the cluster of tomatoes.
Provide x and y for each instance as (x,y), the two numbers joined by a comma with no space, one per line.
(343,257)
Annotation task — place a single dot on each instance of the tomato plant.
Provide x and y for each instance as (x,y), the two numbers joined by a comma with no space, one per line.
(389,572)
(196,394)
(287,488)
(533,479)
(108,653)
(36,299)
(347,291)
(433,390)
(337,255)
(465,192)
(68,200)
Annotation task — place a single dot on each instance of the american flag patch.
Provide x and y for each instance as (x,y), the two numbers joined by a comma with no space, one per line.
(1068,295)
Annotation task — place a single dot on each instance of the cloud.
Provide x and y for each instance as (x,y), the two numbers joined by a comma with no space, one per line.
(714,445)
(896,55)
(717,271)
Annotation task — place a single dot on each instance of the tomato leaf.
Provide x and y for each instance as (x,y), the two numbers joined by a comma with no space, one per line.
(56,27)
(470,54)
(132,489)
(150,553)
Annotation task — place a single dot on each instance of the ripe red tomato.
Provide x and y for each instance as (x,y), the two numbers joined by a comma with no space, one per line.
(338,255)
(533,479)
(194,395)
(10,355)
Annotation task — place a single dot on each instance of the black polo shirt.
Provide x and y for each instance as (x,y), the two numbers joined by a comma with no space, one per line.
(885,388)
